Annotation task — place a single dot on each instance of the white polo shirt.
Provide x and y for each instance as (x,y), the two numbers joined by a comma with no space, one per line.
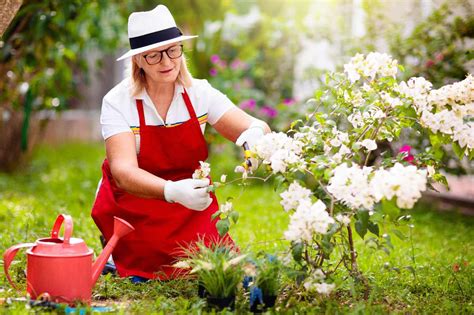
(119,110)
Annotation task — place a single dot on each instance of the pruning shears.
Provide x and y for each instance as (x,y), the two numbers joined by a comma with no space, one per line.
(247,164)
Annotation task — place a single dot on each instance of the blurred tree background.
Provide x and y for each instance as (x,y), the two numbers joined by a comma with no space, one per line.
(261,53)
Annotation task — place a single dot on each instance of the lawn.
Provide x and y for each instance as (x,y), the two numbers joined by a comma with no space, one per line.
(430,271)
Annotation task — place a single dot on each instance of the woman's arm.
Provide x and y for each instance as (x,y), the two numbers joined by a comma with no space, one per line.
(191,193)
(128,176)
(235,121)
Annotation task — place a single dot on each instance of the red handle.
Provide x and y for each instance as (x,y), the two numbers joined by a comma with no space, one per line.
(8,257)
(67,227)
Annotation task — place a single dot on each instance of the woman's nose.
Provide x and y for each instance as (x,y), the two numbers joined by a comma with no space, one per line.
(165,59)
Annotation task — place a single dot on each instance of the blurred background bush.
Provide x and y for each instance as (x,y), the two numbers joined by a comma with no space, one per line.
(57,58)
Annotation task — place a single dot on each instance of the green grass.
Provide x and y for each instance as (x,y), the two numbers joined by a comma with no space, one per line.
(64,179)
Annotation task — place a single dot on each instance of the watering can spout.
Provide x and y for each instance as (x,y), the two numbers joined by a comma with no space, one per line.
(121,228)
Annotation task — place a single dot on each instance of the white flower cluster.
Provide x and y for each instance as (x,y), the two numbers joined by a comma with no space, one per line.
(446,110)
(363,187)
(226,207)
(315,283)
(351,186)
(360,119)
(308,220)
(294,195)
(279,151)
(203,171)
(404,182)
(369,67)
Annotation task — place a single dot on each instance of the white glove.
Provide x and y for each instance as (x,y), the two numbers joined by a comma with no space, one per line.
(191,193)
(251,135)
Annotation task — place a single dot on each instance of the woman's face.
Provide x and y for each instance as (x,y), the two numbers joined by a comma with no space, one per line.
(158,65)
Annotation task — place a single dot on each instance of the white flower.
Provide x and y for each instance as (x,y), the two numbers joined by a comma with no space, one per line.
(295,194)
(234,261)
(324,288)
(183,264)
(403,182)
(374,64)
(223,178)
(308,219)
(351,186)
(369,144)
(343,219)
(279,151)
(226,207)
(23,88)
(203,171)
(431,170)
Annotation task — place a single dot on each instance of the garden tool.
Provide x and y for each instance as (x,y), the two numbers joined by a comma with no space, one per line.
(247,164)
(62,267)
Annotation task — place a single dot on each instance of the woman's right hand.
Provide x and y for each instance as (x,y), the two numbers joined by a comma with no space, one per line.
(191,193)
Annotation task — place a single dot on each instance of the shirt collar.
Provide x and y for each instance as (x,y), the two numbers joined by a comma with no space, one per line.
(178,89)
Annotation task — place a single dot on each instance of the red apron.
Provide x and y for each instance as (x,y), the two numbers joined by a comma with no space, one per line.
(161,228)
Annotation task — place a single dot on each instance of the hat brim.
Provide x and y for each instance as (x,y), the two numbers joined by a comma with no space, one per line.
(137,51)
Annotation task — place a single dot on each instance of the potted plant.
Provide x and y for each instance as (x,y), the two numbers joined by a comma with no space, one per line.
(264,289)
(218,268)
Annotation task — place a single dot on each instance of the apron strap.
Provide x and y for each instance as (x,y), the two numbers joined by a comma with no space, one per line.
(189,105)
(141,115)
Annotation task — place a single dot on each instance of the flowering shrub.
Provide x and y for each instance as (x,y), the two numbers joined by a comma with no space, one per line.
(337,178)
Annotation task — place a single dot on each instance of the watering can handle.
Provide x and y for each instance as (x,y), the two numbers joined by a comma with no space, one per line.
(67,227)
(8,257)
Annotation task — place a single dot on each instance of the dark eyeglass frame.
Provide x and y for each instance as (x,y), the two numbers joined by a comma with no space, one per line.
(161,54)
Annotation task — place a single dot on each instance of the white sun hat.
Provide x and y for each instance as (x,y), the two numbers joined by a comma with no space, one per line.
(152,29)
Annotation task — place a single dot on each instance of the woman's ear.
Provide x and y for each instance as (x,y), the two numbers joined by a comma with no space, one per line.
(137,60)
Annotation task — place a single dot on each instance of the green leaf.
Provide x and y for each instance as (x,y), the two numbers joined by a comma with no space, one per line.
(458,150)
(362,223)
(211,188)
(435,140)
(234,216)
(223,226)
(399,234)
(388,240)
(294,123)
(373,228)
(297,251)
(216,214)
(390,208)
(327,246)
(440,178)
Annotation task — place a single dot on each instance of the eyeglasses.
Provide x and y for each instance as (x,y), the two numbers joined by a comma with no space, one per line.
(156,56)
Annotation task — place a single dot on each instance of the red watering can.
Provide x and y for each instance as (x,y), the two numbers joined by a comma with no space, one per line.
(62,267)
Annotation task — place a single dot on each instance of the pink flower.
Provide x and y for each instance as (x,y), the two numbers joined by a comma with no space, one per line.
(248,104)
(213,72)
(237,64)
(429,63)
(289,101)
(269,111)
(215,59)
(408,158)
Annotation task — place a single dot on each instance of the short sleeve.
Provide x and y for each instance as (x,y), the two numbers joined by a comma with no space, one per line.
(112,120)
(218,103)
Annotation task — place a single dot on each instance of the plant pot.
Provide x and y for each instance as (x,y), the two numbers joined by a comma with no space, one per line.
(268,301)
(201,291)
(221,303)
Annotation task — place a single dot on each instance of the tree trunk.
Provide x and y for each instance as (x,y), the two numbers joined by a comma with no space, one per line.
(8,10)
(12,155)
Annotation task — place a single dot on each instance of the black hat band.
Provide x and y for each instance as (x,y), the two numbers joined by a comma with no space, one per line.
(156,37)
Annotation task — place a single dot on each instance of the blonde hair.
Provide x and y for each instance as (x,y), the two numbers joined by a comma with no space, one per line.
(138,77)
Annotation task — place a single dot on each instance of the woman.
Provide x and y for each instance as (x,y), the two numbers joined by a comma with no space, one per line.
(153,124)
